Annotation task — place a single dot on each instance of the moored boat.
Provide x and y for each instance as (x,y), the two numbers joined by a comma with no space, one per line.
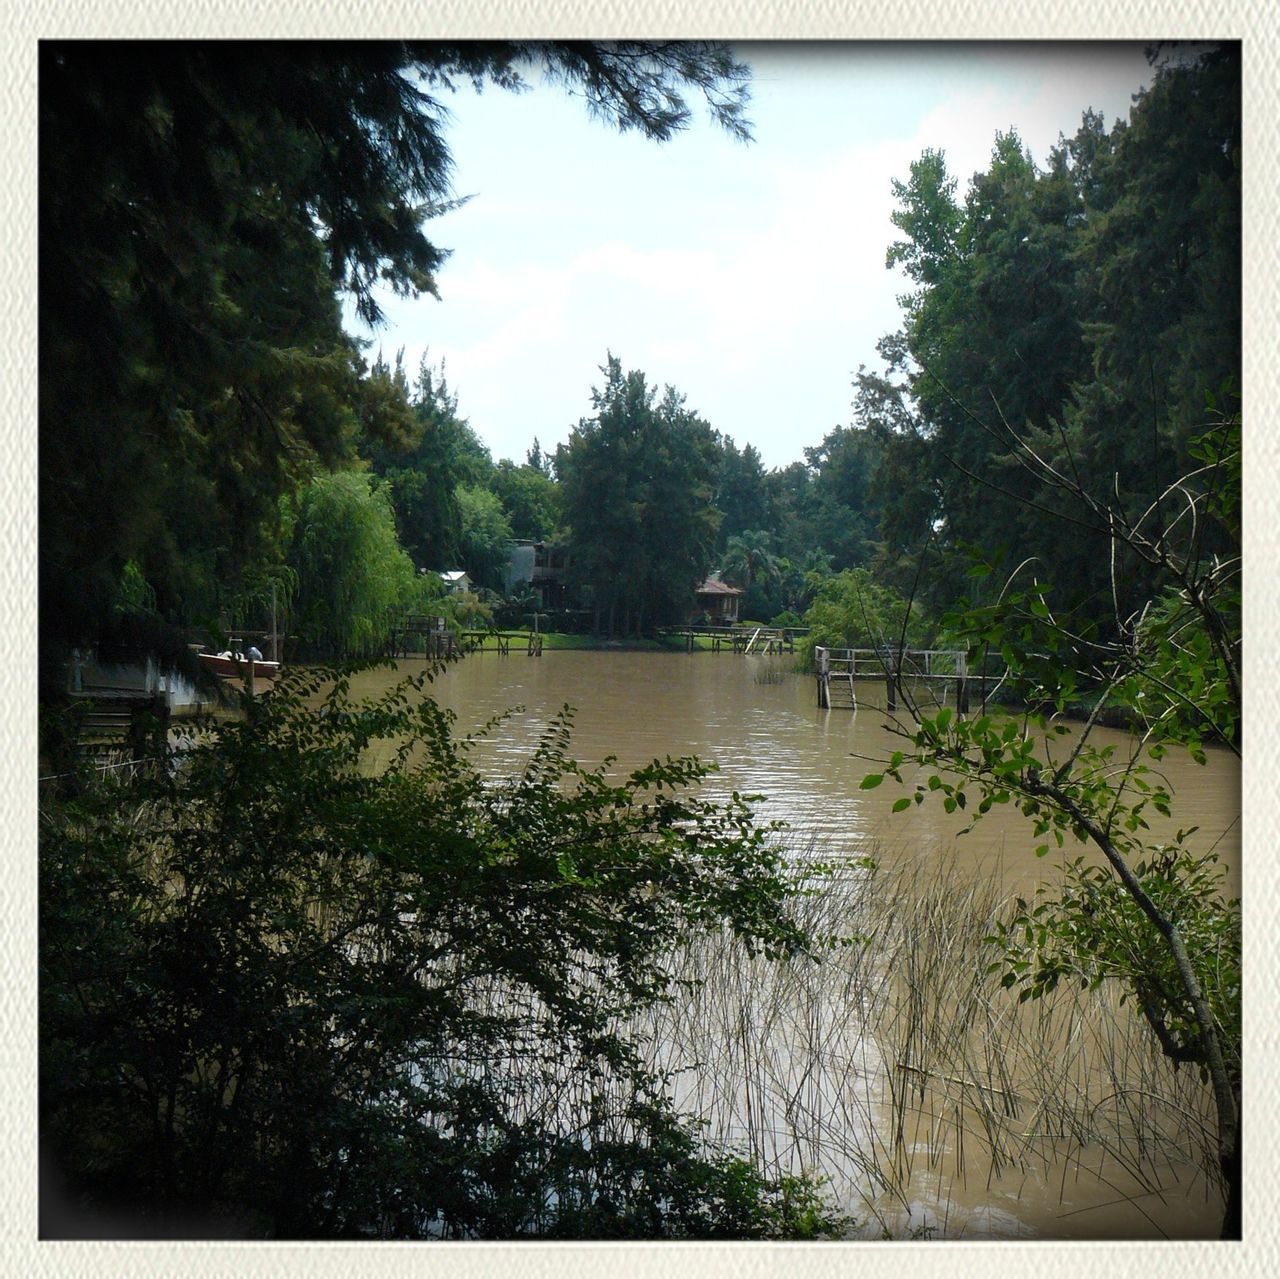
(231,665)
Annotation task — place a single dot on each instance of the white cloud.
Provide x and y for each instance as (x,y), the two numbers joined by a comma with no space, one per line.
(753,280)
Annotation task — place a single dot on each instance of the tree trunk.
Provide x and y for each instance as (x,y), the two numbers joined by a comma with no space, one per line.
(1225,1091)
(1232,1219)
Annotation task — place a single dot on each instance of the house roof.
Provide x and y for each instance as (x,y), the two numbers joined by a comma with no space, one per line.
(714,586)
(454,575)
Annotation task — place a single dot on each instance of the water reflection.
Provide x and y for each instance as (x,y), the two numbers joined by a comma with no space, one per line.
(790,1061)
(759,722)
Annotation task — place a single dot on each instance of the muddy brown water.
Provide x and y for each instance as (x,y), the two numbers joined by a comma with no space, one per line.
(758,720)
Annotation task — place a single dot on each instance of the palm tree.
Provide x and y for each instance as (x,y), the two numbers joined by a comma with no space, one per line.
(748,559)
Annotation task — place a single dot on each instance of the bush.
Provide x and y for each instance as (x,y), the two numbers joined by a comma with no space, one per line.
(288,993)
(851,610)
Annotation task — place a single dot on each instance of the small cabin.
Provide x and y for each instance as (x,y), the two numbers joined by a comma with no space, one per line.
(455,581)
(718,602)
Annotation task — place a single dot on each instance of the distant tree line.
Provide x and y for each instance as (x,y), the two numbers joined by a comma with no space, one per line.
(198,389)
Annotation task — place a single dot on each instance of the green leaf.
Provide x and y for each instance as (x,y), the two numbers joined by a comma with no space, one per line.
(900,804)
(871,781)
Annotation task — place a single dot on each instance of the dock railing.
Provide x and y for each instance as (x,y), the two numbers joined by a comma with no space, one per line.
(839,669)
(770,640)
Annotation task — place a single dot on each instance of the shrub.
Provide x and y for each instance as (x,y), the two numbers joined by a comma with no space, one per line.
(322,980)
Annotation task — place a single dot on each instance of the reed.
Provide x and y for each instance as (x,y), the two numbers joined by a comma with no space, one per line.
(898,1068)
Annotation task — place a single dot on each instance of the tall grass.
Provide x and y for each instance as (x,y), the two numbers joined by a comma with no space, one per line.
(899,1069)
(771,674)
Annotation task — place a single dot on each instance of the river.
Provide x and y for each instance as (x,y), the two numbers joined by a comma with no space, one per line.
(758,720)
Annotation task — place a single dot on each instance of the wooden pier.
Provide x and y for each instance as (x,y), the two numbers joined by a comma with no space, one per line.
(768,640)
(429,637)
(421,633)
(500,642)
(840,670)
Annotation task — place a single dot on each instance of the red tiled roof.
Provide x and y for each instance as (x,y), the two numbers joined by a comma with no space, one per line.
(713,586)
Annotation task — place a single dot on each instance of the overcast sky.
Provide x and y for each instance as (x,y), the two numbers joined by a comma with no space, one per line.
(750,277)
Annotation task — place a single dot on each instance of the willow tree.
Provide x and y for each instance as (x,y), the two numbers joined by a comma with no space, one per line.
(204,208)
(354,578)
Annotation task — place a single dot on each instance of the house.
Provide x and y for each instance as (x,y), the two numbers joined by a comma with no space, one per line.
(718,602)
(539,566)
(455,581)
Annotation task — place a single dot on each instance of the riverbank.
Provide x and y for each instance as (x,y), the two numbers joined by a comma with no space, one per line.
(563,641)
(554,641)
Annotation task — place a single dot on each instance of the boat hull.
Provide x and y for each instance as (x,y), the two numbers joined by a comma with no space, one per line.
(239,668)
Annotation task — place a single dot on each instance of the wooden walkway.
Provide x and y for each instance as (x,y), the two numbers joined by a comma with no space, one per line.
(422,633)
(840,670)
(429,636)
(501,641)
(769,640)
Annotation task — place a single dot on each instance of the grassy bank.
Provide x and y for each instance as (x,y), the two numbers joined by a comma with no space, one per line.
(555,640)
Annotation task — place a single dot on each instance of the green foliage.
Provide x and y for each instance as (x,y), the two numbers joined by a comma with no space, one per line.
(531,499)
(1082,308)
(1153,916)
(202,207)
(354,579)
(928,215)
(851,610)
(1085,931)
(464,609)
(322,979)
(742,494)
(846,503)
(1180,680)
(424,472)
(181,190)
(637,480)
(749,562)
(486,533)
(261,587)
(134,594)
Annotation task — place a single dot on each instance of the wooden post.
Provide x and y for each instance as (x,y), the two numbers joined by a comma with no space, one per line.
(824,678)
(962,686)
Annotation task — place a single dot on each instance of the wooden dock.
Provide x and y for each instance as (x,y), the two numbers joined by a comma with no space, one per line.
(500,642)
(420,633)
(840,670)
(422,637)
(767,640)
